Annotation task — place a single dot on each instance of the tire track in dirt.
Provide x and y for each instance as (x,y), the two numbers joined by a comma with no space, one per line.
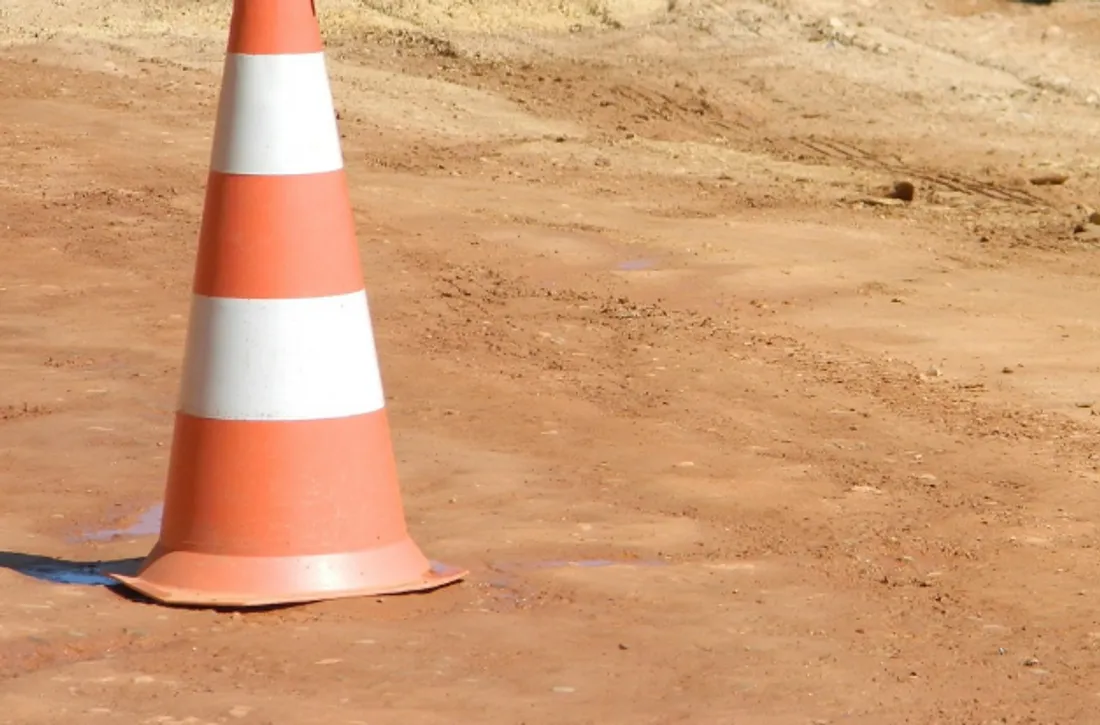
(609,100)
(849,153)
(655,101)
(617,102)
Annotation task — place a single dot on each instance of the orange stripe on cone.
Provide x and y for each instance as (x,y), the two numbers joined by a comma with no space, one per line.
(260,478)
(277,237)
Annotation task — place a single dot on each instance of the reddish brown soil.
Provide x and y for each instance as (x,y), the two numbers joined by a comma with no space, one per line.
(639,300)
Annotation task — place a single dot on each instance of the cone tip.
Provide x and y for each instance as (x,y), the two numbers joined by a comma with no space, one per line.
(274,27)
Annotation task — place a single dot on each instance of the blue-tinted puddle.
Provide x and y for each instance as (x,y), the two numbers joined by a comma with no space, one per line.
(83,573)
(148,524)
(636,265)
(440,569)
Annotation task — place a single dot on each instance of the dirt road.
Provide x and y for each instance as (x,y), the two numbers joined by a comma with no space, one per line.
(724,434)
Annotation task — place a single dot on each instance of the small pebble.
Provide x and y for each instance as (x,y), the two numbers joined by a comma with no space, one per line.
(903,190)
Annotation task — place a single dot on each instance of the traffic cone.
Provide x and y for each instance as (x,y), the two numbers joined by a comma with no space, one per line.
(282,485)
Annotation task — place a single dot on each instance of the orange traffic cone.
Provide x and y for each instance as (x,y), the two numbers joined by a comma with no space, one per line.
(282,485)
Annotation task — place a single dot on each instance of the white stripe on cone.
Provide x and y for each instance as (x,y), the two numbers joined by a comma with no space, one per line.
(275,117)
(280,359)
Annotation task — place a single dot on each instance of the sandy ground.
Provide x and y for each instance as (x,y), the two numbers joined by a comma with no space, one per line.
(724,435)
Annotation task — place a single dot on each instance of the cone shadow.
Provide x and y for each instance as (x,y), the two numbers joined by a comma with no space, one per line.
(54,570)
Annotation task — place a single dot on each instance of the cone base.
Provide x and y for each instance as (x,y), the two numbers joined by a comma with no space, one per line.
(191,578)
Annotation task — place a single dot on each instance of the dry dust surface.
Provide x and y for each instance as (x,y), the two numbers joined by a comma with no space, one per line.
(724,433)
